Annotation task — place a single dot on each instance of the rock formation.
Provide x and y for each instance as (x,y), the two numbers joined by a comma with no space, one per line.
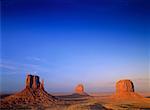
(125,90)
(79,89)
(42,85)
(29,81)
(124,86)
(33,82)
(33,94)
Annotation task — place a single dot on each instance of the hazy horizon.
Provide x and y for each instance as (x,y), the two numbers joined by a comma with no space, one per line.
(70,42)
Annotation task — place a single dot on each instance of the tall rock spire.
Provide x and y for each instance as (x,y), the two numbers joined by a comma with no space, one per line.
(36,82)
(29,81)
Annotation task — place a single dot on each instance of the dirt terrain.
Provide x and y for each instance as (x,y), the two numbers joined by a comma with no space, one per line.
(96,101)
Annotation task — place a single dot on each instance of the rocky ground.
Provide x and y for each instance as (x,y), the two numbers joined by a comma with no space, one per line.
(95,102)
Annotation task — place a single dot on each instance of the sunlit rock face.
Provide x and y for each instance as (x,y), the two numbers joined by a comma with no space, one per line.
(125,91)
(79,89)
(42,85)
(29,81)
(124,86)
(36,82)
(33,82)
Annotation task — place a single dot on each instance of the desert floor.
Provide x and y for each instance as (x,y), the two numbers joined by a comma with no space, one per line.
(96,101)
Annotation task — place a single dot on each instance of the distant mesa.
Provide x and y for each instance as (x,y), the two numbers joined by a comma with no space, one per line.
(125,90)
(33,94)
(79,91)
(124,86)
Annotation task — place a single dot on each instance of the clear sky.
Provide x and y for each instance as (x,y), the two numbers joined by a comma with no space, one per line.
(66,42)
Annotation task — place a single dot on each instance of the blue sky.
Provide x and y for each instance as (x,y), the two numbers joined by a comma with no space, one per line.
(67,42)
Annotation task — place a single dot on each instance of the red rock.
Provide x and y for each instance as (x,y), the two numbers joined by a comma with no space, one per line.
(33,82)
(33,94)
(36,82)
(125,91)
(29,81)
(124,86)
(42,85)
(79,89)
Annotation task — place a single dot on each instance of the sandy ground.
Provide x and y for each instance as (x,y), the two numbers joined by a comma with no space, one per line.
(96,101)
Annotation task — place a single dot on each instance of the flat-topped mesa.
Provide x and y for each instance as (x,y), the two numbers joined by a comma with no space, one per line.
(123,86)
(125,91)
(79,89)
(33,81)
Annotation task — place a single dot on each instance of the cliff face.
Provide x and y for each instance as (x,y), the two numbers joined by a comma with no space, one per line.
(33,82)
(125,90)
(124,86)
(29,81)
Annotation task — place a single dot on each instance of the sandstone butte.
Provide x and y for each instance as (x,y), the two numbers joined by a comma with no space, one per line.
(34,83)
(125,91)
(79,90)
(33,94)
